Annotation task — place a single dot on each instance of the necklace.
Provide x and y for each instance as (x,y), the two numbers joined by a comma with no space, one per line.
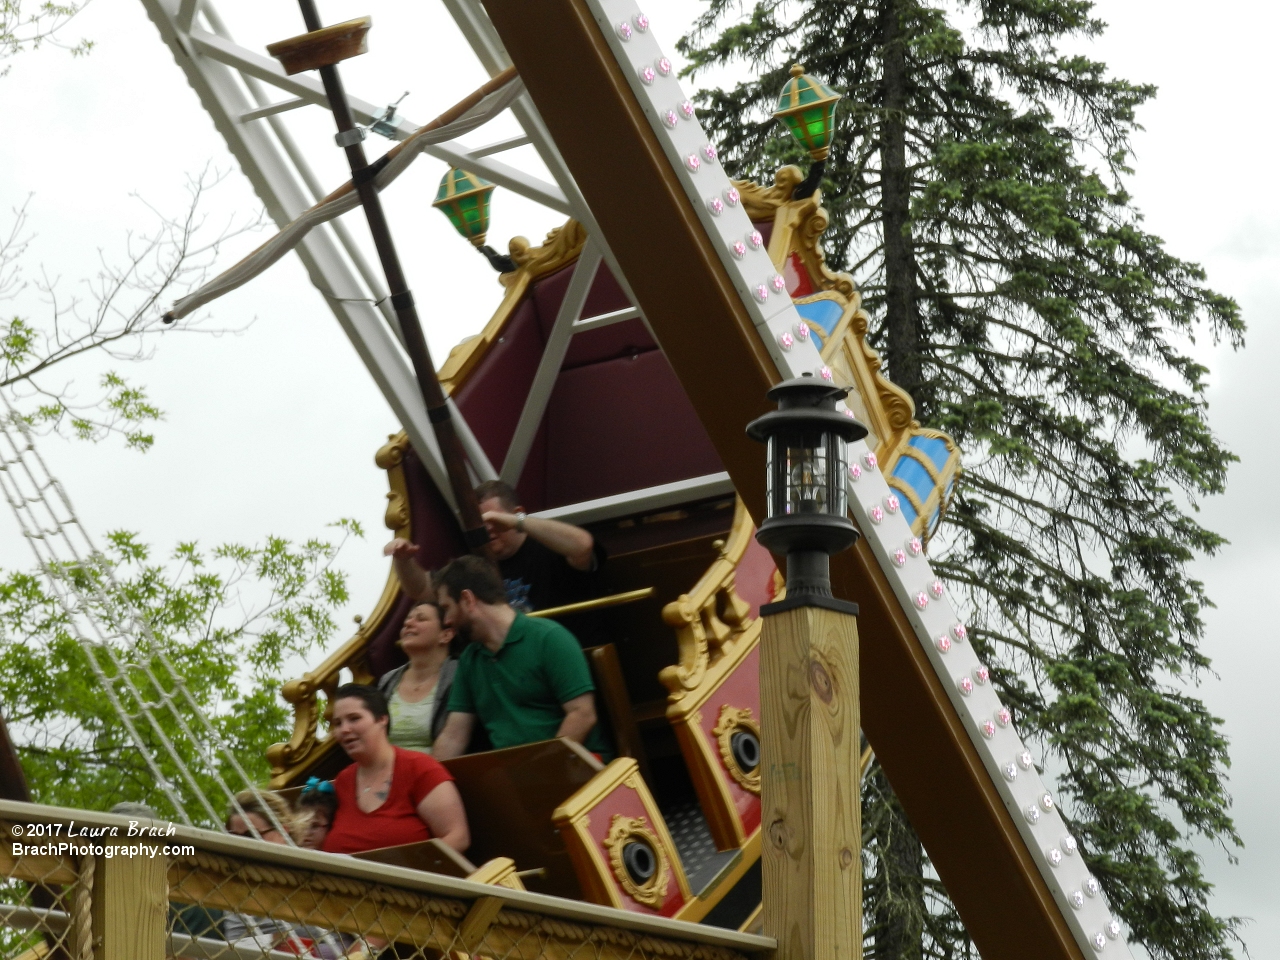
(379,790)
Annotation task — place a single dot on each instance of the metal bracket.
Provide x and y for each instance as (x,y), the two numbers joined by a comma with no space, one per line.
(349,138)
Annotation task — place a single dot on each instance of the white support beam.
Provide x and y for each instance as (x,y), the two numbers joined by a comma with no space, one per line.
(605,319)
(223,97)
(643,501)
(480,462)
(544,381)
(271,109)
(310,90)
(187,11)
(457,154)
(501,146)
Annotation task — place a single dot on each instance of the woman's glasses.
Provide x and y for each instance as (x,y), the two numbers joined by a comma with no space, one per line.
(249,833)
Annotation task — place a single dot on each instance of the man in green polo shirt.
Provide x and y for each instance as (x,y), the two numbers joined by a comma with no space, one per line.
(525,679)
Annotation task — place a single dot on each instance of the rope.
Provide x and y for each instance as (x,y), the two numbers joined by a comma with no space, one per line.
(62,548)
(81,916)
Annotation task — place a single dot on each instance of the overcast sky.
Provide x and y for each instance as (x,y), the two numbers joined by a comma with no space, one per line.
(272,429)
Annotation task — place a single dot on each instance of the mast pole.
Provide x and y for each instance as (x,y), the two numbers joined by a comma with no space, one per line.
(350,138)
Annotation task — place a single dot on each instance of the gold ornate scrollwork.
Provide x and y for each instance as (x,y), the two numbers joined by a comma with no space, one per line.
(731,721)
(560,248)
(625,830)
(711,617)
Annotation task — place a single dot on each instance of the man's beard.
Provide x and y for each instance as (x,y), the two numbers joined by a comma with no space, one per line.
(461,637)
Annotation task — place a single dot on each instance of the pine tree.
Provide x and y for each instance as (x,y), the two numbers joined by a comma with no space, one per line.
(976,190)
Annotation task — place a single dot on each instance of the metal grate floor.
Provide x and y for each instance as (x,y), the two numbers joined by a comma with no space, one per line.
(702,861)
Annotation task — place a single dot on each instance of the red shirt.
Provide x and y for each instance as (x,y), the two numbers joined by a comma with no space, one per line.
(396,822)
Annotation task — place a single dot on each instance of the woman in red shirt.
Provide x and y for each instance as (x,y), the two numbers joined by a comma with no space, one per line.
(388,796)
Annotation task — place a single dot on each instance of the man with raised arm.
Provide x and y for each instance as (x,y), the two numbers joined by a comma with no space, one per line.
(523,679)
(544,563)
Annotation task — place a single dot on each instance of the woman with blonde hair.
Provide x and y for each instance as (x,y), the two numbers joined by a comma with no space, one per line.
(271,817)
(267,813)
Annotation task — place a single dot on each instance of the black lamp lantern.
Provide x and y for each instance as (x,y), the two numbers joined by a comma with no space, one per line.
(808,517)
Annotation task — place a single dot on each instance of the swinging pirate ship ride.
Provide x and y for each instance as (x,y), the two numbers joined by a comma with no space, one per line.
(612,386)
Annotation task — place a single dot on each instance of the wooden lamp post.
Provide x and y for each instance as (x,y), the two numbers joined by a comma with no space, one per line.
(810,729)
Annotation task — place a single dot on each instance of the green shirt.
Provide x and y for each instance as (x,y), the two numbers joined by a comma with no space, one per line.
(517,692)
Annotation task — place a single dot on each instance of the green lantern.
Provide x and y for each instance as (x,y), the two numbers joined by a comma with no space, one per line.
(806,107)
(464,199)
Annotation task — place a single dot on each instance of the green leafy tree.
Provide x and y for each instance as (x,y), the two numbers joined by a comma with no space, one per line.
(26,26)
(227,620)
(113,316)
(976,188)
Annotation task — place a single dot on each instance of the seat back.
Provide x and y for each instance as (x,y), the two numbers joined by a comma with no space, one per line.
(510,796)
(613,704)
(434,856)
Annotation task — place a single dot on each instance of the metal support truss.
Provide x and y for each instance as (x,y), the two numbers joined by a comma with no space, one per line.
(247,94)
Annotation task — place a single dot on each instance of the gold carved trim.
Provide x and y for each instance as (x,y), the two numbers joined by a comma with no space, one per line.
(304,748)
(710,619)
(624,830)
(715,635)
(572,819)
(730,721)
(559,249)
(885,408)
(499,872)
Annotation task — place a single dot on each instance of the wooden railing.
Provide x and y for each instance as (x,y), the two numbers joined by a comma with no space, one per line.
(116,903)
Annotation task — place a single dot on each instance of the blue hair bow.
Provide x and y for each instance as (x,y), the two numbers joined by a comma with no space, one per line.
(316,785)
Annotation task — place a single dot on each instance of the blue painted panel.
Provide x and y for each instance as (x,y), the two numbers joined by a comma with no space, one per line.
(821,316)
(908,511)
(912,472)
(933,448)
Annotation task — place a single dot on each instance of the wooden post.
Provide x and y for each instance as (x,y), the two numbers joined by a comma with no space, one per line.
(810,799)
(130,907)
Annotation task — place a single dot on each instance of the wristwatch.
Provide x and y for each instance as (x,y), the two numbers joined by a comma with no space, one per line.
(520,519)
